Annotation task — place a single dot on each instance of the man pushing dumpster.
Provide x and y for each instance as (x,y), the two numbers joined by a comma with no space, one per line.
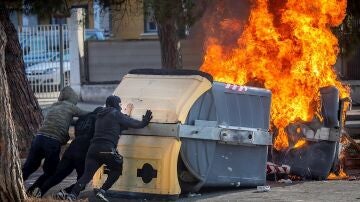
(52,134)
(109,124)
(73,157)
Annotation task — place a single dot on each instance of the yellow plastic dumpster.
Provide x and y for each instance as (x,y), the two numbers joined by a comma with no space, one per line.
(151,154)
(149,165)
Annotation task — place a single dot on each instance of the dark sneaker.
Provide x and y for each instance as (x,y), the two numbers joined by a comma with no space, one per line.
(36,193)
(71,197)
(61,195)
(29,191)
(101,195)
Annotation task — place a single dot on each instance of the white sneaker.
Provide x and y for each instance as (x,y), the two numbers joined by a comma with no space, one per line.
(101,195)
(71,197)
(61,195)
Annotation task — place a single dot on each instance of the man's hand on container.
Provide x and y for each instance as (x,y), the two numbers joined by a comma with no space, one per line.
(147,117)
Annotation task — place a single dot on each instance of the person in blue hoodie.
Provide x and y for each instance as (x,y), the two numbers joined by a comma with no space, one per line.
(109,124)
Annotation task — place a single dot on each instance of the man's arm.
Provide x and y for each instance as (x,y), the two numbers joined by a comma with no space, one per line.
(133,123)
(79,112)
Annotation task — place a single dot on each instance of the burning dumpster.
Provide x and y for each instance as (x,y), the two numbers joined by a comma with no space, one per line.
(317,142)
(203,134)
(288,48)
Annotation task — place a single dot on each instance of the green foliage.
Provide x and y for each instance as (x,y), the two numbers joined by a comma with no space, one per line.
(183,13)
(41,7)
(165,10)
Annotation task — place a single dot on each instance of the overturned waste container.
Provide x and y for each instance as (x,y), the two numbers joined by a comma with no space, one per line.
(317,158)
(203,134)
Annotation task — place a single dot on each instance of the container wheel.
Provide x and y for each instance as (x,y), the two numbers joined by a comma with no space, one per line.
(188,183)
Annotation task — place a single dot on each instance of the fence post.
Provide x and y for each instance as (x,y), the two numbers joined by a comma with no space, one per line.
(76,43)
(61,56)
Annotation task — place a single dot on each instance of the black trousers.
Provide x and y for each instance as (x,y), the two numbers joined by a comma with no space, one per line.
(42,147)
(98,154)
(67,164)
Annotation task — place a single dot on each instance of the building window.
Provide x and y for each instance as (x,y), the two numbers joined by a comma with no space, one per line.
(150,23)
(58,21)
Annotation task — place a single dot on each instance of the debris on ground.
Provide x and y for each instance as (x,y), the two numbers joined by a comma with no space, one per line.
(286,181)
(193,195)
(262,189)
(352,178)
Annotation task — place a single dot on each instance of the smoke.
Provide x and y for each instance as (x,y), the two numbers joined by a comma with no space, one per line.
(225,21)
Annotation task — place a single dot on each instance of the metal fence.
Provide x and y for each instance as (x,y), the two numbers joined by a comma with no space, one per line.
(46,57)
(350,63)
(352,66)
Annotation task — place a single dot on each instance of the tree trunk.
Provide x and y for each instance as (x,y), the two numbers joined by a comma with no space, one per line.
(25,108)
(11,184)
(171,57)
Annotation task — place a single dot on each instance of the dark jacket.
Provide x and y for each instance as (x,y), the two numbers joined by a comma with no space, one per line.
(110,123)
(78,148)
(85,125)
(84,132)
(57,121)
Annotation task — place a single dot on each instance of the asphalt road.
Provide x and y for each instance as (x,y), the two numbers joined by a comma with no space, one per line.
(335,190)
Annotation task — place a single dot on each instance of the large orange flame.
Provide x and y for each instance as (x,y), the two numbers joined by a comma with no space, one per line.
(288,48)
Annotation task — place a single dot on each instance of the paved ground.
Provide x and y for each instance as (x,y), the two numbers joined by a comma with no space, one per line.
(339,190)
(300,191)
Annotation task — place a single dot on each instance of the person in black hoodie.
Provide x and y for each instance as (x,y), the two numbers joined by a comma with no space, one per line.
(109,124)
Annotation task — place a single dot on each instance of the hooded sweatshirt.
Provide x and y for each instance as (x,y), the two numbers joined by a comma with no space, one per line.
(110,123)
(57,121)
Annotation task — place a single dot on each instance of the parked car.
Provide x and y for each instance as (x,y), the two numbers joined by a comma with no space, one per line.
(93,34)
(32,59)
(33,45)
(47,74)
(45,42)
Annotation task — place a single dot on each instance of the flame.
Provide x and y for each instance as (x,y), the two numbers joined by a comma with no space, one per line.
(299,143)
(287,47)
(342,175)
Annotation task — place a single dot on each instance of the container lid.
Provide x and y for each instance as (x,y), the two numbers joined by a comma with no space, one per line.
(242,106)
(171,72)
(168,96)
